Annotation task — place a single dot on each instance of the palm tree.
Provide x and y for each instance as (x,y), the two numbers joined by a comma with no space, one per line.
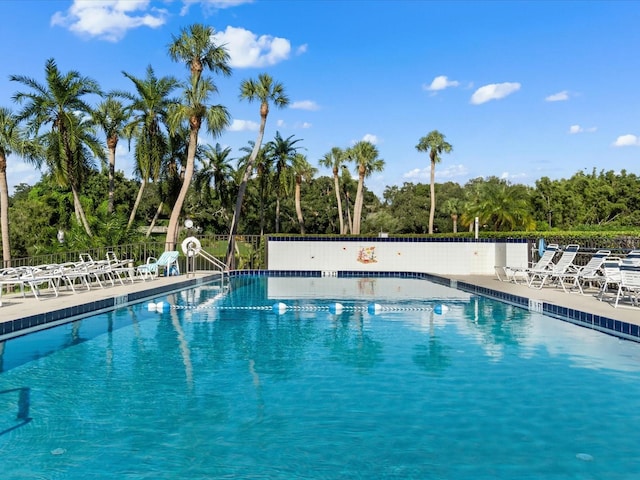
(282,151)
(196,49)
(12,140)
(303,171)
(60,104)
(365,156)
(334,160)
(148,110)
(111,116)
(217,171)
(435,144)
(503,206)
(263,165)
(264,90)
(452,207)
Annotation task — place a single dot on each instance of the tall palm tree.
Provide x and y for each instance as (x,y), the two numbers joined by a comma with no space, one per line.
(282,151)
(365,155)
(60,104)
(334,160)
(263,165)
(264,90)
(195,48)
(12,140)
(148,109)
(435,144)
(111,116)
(217,171)
(302,171)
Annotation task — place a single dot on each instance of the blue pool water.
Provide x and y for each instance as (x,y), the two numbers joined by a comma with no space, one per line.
(221,386)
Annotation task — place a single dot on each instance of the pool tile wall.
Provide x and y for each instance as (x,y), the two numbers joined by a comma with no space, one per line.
(453,256)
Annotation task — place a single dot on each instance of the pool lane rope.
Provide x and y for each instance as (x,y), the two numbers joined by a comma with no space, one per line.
(280,308)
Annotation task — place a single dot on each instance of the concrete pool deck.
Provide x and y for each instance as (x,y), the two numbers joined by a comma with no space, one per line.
(15,307)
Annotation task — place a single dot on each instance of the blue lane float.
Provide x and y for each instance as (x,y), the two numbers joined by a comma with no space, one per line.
(279,308)
(336,308)
(440,309)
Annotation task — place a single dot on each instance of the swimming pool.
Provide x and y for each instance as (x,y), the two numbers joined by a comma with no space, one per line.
(222,384)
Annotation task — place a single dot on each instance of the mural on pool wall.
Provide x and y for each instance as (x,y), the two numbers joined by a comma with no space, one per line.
(367,255)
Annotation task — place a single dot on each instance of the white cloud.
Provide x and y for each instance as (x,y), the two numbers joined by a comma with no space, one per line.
(450,171)
(494,91)
(215,4)
(510,176)
(280,123)
(628,140)
(243,126)
(302,49)
(440,83)
(303,125)
(109,19)
(573,129)
(304,105)
(370,138)
(246,49)
(558,97)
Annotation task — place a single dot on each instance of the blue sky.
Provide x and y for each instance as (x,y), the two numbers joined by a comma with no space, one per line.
(520,89)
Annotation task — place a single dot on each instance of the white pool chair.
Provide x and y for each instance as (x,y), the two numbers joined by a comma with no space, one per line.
(588,274)
(629,285)
(521,275)
(537,279)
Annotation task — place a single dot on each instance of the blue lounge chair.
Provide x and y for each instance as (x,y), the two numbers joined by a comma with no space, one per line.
(167,263)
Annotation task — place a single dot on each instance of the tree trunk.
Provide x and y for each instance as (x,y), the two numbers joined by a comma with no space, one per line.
(172,231)
(154,220)
(432,200)
(132,216)
(357,208)
(336,187)
(112,170)
(230,260)
(299,207)
(4,213)
(80,211)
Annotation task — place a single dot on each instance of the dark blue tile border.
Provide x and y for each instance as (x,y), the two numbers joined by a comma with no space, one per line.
(83,310)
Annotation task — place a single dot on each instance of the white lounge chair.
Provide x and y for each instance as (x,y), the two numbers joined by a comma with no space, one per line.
(167,262)
(611,276)
(537,279)
(589,274)
(521,275)
(120,267)
(629,285)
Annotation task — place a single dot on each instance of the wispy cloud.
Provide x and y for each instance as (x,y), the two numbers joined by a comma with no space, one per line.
(109,19)
(558,97)
(246,49)
(211,4)
(451,171)
(243,126)
(440,83)
(369,137)
(305,105)
(628,140)
(494,91)
(573,129)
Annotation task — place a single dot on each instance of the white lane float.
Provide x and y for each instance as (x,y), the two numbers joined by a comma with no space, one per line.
(440,309)
(279,308)
(336,308)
